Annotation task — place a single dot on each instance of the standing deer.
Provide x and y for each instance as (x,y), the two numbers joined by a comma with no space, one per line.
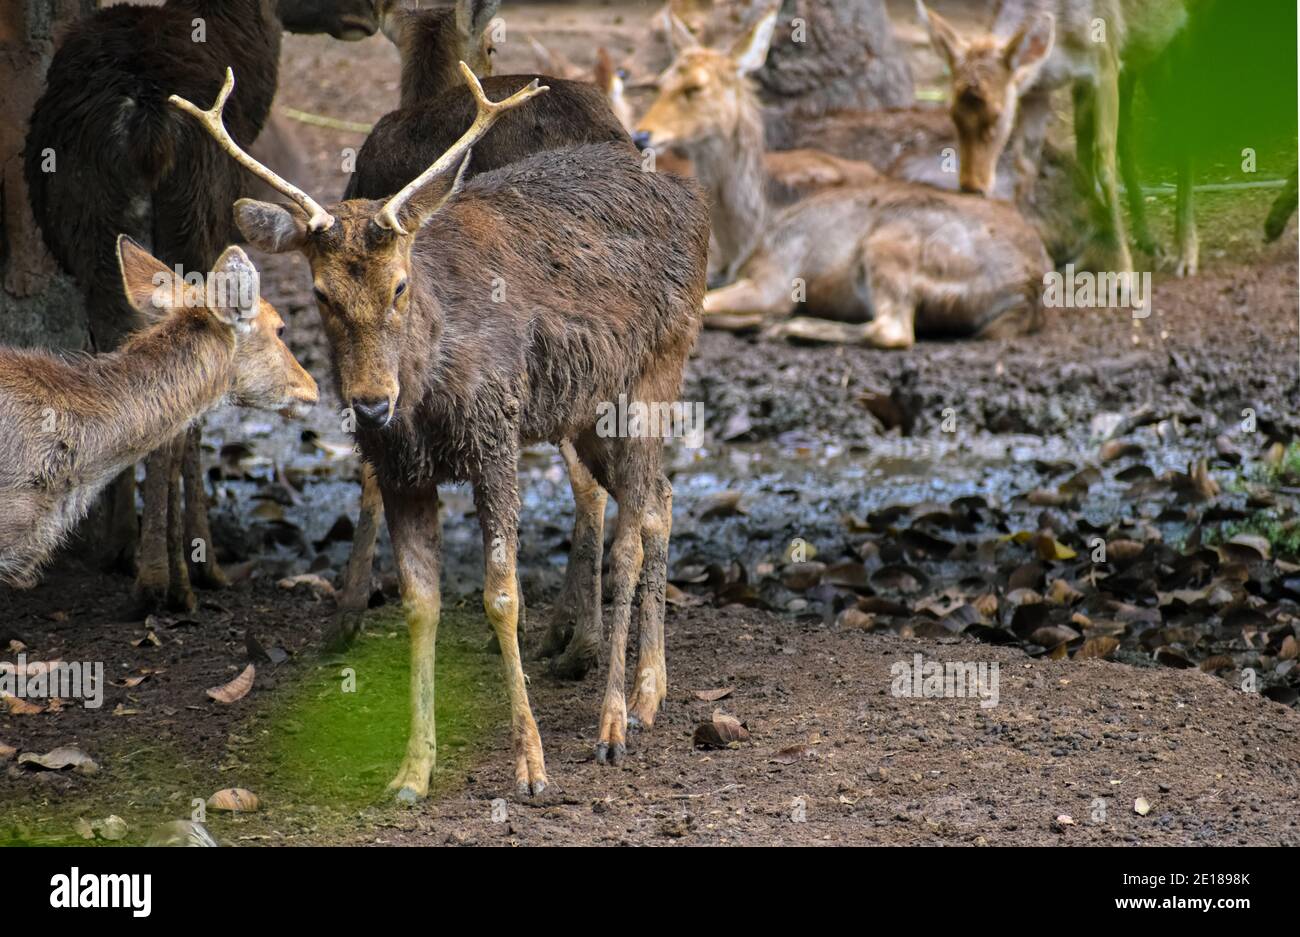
(68,427)
(1002,81)
(124,163)
(603,270)
(884,258)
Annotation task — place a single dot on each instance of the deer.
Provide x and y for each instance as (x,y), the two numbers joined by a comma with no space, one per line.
(604,273)
(1002,80)
(124,163)
(71,425)
(880,260)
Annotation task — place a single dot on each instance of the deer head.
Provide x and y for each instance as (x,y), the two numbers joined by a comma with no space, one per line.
(447,35)
(342,19)
(267,376)
(988,77)
(359,251)
(703,93)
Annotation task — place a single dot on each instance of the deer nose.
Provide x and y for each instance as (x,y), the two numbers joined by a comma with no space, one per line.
(641,138)
(372,414)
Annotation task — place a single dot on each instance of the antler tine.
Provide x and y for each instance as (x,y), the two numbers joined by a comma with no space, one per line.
(318,218)
(488,112)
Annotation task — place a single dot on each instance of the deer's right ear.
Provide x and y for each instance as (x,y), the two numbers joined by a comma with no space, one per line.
(271,228)
(943,37)
(473,16)
(146,280)
(750,51)
(680,37)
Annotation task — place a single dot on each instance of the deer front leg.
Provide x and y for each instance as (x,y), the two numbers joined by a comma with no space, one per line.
(208,573)
(1107,114)
(1137,207)
(576,620)
(355,595)
(748,303)
(151,579)
(1189,246)
(498,510)
(626,557)
(651,684)
(180,597)
(413,524)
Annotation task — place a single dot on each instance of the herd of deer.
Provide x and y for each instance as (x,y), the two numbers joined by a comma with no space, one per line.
(538,183)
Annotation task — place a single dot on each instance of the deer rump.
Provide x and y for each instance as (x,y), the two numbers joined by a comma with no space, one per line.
(603,267)
(970,267)
(406,141)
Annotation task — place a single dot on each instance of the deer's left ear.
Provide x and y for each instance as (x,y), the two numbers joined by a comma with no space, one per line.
(1029,49)
(234,289)
(473,16)
(945,39)
(750,50)
(151,288)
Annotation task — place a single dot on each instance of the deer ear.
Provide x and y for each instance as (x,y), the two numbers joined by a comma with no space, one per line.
(750,51)
(146,280)
(235,289)
(680,37)
(1029,48)
(945,39)
(473,16)
(271,228)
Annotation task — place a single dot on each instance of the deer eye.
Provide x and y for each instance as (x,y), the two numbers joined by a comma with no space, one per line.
(279,332)
(320,296)
(399,289)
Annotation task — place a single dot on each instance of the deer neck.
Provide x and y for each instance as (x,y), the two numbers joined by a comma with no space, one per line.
(731,171)
(427,46)
(160,380)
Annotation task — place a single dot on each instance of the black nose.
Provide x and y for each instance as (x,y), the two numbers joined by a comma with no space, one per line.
(641,138)
(372,414)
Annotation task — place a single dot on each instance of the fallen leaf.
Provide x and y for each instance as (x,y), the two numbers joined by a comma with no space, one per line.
(20,707)
(234,800)
(722,732)
(1141,806)
(788,756)
(317,585)
(65,756)
(1098,648)
(181,833)
(712,696)
(236,689)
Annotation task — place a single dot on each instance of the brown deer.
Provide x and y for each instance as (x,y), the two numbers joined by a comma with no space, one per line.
(885,258)
(70,426)
(599,269)
(124,163)
(1002,81)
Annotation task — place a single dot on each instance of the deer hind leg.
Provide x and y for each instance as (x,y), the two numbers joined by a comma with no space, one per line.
(1189,246)
(576,620)
(354,598)
(207,572)
(651,684)
(749,302)
(497,501)
(414,527)
(1114,239)
(151,579)
(180,597)
(1137,206)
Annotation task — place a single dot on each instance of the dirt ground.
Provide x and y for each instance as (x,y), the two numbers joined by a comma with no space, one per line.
(922,486)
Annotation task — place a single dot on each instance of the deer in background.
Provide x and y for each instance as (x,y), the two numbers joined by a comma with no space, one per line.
(126,164)
(67,427)
(882,258)
(1002,83)
(604,272)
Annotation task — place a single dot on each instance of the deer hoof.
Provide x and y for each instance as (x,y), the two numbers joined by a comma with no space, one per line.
(574,663)
(530,789)
(407,797)
(612,755)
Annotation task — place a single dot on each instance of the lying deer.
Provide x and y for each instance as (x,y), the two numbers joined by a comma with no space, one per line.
(885,258)
(124,163)
(1002,82)
(599,269)
(70,426)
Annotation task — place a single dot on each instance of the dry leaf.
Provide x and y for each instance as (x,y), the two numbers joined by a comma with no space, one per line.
(236,689)
(722,732)
(1141,806)
(65,756)
(1100,648)
(788,756)
(6,752)
(20,707)
(235,800)
(712,696)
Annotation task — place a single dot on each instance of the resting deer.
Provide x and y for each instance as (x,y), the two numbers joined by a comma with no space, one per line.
(124,163)
(1002,81)
(69,426)
(885,258)
(603,270)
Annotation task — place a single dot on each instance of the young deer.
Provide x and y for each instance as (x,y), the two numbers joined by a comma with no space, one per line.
(599,269)
(885,258)
(1002,81)
(124,163)
(70,426)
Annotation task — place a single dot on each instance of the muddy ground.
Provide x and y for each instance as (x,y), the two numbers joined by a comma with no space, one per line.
(945,502)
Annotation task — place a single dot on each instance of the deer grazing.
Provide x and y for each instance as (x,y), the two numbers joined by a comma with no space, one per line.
(70,426)
(1002,81)
(884,258)
(603,271)
(125,163)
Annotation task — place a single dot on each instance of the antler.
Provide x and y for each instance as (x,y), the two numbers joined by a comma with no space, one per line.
(488,112)
(318,218)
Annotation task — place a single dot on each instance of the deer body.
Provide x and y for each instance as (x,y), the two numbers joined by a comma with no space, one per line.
(69,427)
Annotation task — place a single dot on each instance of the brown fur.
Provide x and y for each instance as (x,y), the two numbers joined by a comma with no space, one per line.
(69,426)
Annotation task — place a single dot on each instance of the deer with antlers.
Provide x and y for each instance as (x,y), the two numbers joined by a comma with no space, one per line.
(68,427)
(599,269)
(870,263)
